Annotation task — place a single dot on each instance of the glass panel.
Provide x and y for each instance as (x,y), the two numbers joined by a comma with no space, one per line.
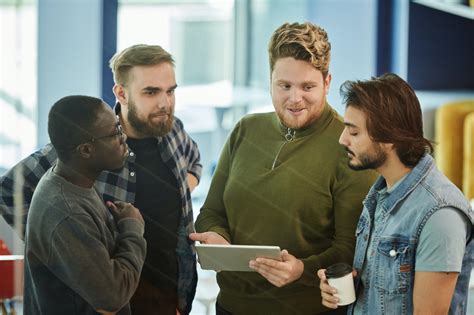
(18,55)
(199,35)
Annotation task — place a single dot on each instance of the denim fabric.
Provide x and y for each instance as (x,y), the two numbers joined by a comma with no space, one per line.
(390,268)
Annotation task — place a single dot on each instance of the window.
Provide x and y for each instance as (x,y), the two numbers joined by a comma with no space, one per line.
(18,41)
(199,35)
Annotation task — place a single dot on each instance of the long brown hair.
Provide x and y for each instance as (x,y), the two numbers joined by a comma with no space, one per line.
(393,114)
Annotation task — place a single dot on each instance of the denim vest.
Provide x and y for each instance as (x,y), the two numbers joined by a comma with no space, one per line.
(391,267)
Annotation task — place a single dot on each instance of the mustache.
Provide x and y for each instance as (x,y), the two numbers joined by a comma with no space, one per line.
(161,112)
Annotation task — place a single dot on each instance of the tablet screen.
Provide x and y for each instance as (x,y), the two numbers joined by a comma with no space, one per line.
(233,257)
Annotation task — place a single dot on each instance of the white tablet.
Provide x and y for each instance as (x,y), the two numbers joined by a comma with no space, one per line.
(233,257)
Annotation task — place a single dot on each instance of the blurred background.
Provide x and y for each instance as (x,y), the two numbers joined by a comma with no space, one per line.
(52,48)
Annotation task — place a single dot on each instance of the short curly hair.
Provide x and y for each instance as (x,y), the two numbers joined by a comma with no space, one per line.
(302,41)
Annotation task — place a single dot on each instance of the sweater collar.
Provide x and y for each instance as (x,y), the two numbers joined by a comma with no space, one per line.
(316,127)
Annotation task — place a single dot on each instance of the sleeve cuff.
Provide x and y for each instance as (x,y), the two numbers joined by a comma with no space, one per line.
(196,172)
(131,225)
(309,276)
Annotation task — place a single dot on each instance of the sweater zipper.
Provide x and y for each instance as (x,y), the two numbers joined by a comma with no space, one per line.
(289,136)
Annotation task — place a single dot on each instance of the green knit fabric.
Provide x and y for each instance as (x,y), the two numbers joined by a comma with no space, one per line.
(308,203)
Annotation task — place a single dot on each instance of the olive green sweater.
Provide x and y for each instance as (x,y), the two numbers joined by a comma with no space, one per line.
(298,194)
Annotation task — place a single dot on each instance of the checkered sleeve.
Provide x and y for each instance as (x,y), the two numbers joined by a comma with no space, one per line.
(190,151)
(194,166)
(30,170)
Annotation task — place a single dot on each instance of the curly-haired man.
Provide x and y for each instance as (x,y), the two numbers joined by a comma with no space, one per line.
(282,179)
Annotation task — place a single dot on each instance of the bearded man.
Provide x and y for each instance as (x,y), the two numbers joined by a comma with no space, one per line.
(414,244)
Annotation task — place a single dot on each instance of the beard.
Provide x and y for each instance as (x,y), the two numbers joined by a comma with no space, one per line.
(312,114)
(368,160)
(147,127)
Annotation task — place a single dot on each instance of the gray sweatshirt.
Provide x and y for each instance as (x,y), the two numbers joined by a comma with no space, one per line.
(77,259)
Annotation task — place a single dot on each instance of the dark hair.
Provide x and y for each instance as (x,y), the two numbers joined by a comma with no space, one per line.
(393,114)
(70,123)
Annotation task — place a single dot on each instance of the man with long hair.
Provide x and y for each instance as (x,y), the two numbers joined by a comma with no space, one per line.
(414,248)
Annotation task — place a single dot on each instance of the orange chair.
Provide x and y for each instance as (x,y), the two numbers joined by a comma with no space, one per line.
(468,157)
(454,152)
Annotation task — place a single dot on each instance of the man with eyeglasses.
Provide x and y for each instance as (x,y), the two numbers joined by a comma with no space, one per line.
(80,257)
(162,169)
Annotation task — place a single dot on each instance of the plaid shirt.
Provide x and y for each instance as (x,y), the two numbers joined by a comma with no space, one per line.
(179,152)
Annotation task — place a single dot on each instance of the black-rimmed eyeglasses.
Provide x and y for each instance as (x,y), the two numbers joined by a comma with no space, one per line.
(118,132)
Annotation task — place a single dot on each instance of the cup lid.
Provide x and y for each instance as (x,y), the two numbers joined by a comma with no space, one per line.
(338,270)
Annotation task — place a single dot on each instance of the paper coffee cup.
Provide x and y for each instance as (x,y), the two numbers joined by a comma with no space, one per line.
(340,277)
